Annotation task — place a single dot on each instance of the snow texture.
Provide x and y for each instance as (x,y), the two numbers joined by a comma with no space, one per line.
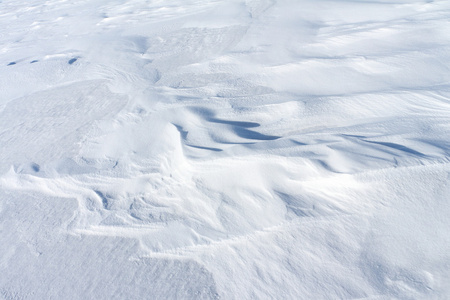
(238,149)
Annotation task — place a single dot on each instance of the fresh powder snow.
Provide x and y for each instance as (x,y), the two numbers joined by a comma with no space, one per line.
(224,149)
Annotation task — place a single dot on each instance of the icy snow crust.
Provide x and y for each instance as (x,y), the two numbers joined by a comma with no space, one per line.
(195,149)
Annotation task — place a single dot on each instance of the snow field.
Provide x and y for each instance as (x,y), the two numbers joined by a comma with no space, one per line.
(266,149)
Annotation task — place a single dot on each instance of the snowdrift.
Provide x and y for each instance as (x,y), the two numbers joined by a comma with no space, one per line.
(239,149)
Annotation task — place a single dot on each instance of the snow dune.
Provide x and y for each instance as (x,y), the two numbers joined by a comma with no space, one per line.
(240,149)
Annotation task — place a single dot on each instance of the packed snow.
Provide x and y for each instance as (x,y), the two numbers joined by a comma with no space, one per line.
(232,149)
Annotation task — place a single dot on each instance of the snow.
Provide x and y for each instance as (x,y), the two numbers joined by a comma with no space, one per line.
(239,149)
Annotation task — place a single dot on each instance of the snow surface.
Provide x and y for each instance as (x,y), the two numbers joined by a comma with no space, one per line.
(234,149)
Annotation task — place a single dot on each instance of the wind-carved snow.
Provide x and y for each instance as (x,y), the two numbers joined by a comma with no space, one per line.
(229,149)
